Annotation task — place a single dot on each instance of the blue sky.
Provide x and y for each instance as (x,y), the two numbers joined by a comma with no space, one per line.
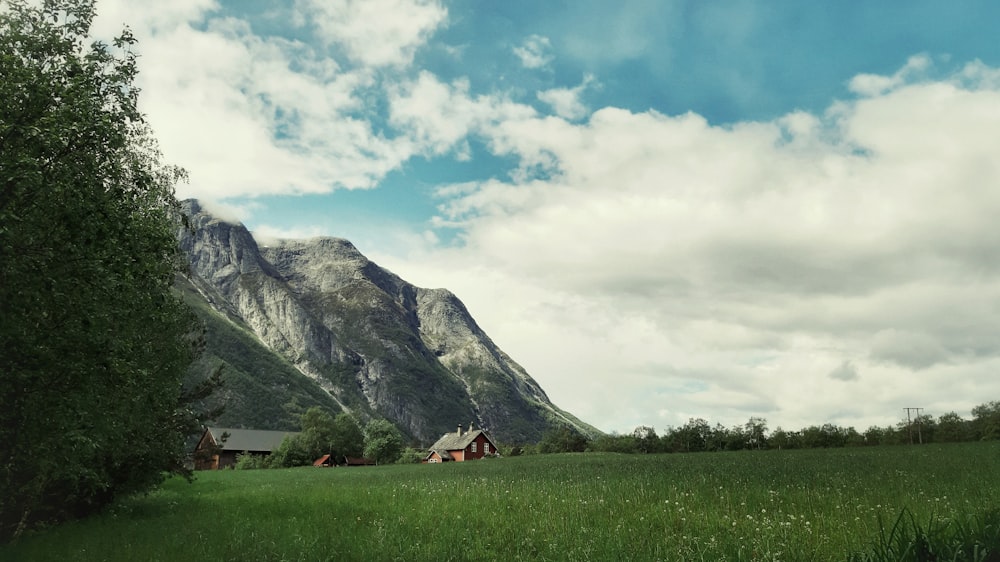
(663,210)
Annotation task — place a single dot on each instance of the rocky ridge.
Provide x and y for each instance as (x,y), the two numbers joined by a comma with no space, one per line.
(377,345)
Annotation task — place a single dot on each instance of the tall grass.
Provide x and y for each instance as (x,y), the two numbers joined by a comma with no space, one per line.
(836,504)
(974,538)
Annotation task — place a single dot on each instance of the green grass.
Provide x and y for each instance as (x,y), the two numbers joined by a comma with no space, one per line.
(766,505)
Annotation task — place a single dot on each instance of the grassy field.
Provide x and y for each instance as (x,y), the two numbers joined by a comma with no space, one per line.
(760,505)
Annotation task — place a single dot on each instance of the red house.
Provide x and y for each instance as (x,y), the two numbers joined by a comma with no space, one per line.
(462,446)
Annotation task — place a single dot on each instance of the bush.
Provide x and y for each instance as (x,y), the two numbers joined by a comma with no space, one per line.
(411,456)
(246,461)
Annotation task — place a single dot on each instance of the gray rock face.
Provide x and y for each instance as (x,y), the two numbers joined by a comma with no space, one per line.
(377,344)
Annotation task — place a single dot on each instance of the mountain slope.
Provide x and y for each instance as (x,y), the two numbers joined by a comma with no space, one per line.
(375,344)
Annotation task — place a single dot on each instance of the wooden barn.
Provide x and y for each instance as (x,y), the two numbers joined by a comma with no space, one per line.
(219,446)
(462,446)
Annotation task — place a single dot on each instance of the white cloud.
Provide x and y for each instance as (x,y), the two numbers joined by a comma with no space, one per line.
(253,115)
(876,84)
(147,15)
(376,32)
(661,264)
(534,52)
(267,235)
(645,268)
(436,116)
(566,101)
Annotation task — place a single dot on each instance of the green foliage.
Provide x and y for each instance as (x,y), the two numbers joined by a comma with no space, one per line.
(562,439)
(383,443)
(819,505)
(986,421)
(318,432)
(411,456)
(93,344)
(247,461)
(952,428)
(963,538)
(262,390)
(348,439)
(291,452)
(697,435)
(316,439)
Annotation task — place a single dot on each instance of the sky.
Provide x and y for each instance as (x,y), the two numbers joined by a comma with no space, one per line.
(663,210)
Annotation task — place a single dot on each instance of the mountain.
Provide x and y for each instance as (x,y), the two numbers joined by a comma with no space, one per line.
(305,323)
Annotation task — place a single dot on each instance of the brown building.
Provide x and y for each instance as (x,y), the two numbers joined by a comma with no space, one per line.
(219,446)
(462,446)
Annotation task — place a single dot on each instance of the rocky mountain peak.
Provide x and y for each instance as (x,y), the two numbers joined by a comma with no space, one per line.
(376,344)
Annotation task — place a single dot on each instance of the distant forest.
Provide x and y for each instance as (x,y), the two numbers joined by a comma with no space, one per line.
(698,435)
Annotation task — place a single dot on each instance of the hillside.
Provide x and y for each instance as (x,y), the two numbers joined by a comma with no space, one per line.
(305,323)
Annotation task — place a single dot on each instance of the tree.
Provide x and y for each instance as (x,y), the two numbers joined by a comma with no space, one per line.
(692,436)
(383,443)
(348,439)
(986,421)
(291,452)
(952,428)
(410,455)
(562,439)
(614,443)
(93,345)
(755,431)
(317,438)
(646,439)
(782,439)
(318,432)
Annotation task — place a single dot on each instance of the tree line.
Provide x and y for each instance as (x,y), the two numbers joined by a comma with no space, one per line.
(698,435)
(323,434)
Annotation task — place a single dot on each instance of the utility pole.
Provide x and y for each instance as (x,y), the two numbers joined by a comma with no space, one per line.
(909,424)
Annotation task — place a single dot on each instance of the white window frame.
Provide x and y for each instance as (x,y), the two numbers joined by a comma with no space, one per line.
(473,446)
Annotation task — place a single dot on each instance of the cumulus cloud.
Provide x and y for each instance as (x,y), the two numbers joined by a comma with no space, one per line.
(876,84)
(749,257)
(437,116)
(375,32)
(535,52)
(566,101)
(249,115)
(148,15)
(634,262)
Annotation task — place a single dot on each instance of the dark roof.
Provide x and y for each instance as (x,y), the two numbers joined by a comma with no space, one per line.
(456,442)
(445,455)
(249,439)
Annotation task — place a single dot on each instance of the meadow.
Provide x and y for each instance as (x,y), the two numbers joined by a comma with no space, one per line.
(750,505)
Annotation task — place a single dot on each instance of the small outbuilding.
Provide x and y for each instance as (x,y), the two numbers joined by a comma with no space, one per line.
(325,460)
(219,446)
(332,460)
(462,446)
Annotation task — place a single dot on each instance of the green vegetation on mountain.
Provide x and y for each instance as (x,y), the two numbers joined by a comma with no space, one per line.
(261,390)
